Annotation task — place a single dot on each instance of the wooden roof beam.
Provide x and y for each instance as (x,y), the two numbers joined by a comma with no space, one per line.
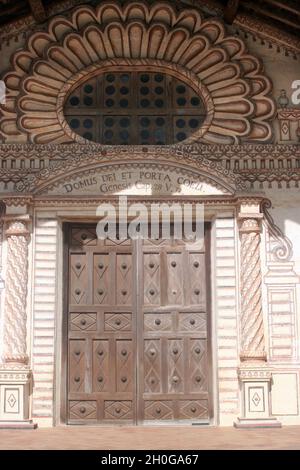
(11,9)
(270,14)
(38,11)
(284,6)
(231,10)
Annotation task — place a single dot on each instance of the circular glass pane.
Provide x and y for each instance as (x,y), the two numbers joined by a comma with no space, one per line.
(74,100)
(74,123)
(88,88)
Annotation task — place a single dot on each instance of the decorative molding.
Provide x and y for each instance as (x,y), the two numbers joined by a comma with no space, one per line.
(246,23)
(17,200)
(92,202)
(27,24)
(14,336)
(253,164)
(10,373)
(292,114)
(282,248)
(212,152)
(172,156)
(251,324)
(234,79)
(286,117)
(257,27)
(260,373)
(272,35)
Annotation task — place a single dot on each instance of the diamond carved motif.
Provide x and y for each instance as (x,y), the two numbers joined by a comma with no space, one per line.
(159,410)
(152,367)
(151,293)
(84,237)
(117,321)
(256,399)
(285,128)
(83,321)
(11,400)
(118,410)
(193,409)
(83,409)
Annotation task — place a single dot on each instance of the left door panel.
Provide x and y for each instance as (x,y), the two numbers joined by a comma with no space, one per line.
(101,329)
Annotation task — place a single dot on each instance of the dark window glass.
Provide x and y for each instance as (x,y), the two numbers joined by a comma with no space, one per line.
(139,108)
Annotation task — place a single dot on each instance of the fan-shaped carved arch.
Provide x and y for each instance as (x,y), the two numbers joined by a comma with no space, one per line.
(235,89)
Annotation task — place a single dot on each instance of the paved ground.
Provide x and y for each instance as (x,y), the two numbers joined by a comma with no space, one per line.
(112,438)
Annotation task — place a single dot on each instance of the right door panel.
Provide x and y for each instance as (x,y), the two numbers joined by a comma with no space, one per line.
(173,317)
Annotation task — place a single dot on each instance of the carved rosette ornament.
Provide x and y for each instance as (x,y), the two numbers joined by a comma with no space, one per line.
(252,328)
(17,235)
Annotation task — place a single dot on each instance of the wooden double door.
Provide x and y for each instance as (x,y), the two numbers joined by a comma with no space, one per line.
(137,322)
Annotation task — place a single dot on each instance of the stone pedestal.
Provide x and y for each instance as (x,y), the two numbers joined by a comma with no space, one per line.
(256,383)
(15,388)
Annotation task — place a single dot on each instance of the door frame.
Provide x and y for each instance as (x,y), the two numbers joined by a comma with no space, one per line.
(65,227)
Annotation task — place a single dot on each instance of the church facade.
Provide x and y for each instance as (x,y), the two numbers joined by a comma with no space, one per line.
(151,104)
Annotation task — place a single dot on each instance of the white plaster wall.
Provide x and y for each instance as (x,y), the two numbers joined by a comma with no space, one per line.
(44,324)
(282,307)
(224,257)
(1,290)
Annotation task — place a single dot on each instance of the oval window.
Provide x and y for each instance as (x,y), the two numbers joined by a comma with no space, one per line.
(138,108)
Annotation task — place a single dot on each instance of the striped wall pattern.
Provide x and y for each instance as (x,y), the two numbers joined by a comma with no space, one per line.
(282,323)
(226,315)
(44,312)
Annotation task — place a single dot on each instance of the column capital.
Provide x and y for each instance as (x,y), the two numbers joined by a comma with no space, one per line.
(249,223)
(250,208)
(17,225)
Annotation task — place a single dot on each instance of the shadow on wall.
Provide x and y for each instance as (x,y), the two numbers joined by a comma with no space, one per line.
(288,220)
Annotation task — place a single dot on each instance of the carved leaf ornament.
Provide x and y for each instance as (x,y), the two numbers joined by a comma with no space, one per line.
(230,82)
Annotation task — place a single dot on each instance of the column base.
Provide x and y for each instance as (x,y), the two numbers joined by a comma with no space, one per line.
(244,423)
(255,381)
(27,424)
(15,389)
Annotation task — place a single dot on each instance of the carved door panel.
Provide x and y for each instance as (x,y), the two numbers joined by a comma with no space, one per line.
(173,348)
(101,329)
(137,330)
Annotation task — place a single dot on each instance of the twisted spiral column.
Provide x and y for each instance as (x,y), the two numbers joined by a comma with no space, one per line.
(252,328)
(15,320)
